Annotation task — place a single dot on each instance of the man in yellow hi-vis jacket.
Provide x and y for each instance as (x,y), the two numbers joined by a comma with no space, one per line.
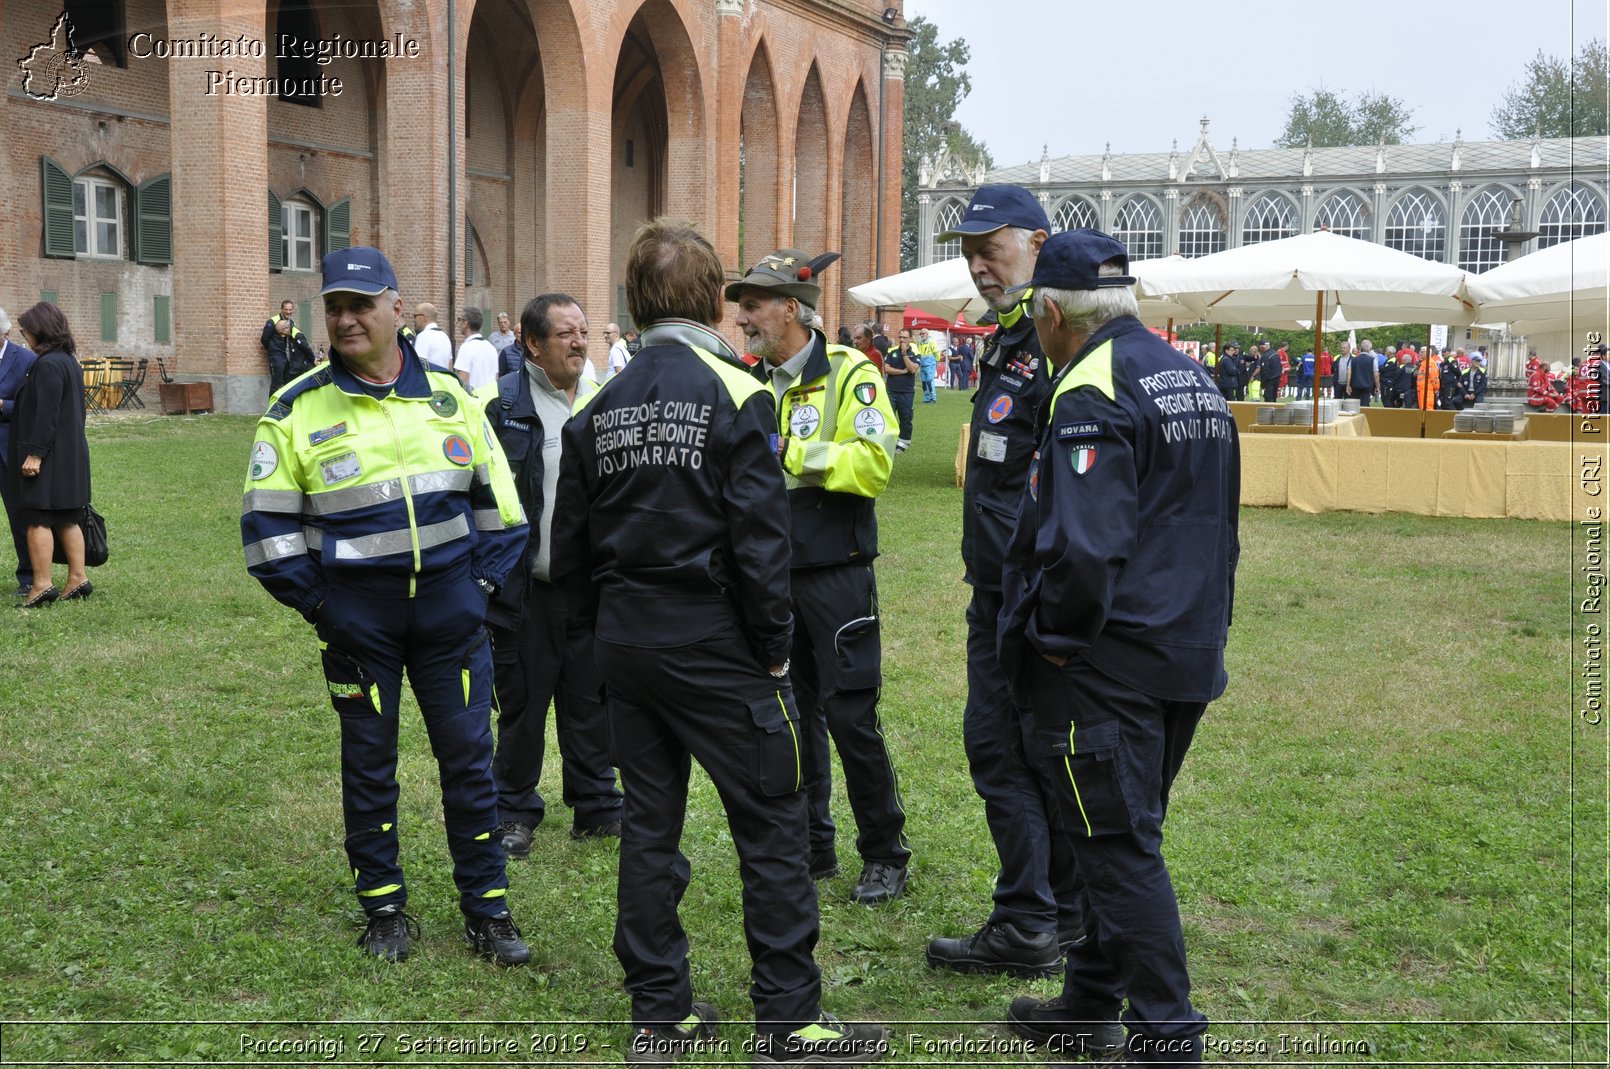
(379,506)
(836,443)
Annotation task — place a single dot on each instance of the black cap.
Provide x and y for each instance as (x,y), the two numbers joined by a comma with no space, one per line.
(1072,260)
(993,207)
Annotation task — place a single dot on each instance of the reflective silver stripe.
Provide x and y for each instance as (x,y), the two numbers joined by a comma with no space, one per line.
(280,546)
(483,475)
(287,501)
(315,539)
(431,482)
(488,520)
(357,497)
(815,460)
(386,543)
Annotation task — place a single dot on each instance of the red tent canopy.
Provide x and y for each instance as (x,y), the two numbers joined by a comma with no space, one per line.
(917,319)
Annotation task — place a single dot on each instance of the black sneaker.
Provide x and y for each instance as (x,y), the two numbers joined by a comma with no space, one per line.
(664,1044)
(497,939)
(879,882)
(516,838)
(824,864)
(608,830)
(999,948)
(829,1041)
(1067,1029)
(388,932)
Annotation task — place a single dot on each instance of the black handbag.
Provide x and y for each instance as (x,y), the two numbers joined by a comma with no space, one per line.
(93,524)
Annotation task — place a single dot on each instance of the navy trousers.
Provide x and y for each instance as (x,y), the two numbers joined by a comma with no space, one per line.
(903,403)
(1113,753)
(837,671)
(549,659)
(19,531)
(1036,889)
(437,637)
(712,702)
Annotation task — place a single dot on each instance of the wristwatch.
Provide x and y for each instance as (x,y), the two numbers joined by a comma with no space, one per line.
(779,673)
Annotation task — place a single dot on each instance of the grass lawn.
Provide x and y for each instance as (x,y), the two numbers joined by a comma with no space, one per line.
(1391,822)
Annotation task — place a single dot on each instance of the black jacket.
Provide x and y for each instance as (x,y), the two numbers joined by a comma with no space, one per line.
(1013,383)
(47,421)
(671,523)
(1126,550)
(513,418)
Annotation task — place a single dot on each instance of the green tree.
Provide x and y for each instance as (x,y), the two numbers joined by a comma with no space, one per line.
(936,83)
(1552,100)
(1330,121)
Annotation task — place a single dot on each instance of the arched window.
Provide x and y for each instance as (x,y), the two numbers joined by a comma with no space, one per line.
(1344,214)
(948,217)
(1573,211)
(1139,225)
(1415,225)
(1487,213)
(1201,229)
(1269,218)
(1072,214)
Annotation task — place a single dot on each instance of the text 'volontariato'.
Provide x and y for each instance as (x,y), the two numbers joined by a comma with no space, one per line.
(1192,408)
(671,434)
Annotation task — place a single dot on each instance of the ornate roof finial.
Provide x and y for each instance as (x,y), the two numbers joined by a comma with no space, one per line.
(1106,163)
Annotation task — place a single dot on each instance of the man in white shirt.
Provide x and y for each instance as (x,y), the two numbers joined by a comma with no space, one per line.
(619,354)
(430,340)
(477,362)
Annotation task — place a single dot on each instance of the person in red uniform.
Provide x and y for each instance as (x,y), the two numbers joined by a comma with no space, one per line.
(1540,392)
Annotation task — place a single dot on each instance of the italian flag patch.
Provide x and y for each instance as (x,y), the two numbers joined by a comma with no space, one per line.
(866,392)
(1082,459)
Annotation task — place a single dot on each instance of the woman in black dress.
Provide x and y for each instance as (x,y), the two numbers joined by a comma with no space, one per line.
(50,455)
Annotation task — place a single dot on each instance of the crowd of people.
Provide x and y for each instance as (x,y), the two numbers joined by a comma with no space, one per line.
(681,559)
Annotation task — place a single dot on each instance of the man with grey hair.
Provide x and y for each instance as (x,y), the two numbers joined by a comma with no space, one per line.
(1118,585)
(15,360)
(836,443)
(503,337)
(1037,904)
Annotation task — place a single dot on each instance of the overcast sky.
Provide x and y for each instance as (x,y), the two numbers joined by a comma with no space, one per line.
(1141,75)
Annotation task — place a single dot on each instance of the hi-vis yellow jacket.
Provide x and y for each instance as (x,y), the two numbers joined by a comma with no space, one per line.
(380,490)
(839,428)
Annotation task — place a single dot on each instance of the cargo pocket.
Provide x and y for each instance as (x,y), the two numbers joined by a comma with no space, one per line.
(352,688)
(467,664)
(778,766)
(858,655)
(1085,762)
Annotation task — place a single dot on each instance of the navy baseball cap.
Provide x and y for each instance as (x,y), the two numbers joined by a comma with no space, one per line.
(1072,259)
(993,207)
(358,270)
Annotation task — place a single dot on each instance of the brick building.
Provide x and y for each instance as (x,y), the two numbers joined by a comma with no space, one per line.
(182,171)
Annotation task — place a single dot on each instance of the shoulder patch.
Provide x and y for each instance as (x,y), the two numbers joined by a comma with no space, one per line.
(1086,429)
(265,460)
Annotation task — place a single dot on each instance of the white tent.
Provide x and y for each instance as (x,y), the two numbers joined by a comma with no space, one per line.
(1283,283)
(946,289)
(1562,288)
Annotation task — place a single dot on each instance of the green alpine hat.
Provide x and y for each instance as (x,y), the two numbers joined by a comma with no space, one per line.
(787,272)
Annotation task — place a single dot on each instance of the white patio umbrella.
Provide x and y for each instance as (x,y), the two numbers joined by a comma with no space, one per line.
(946,289)
(1559,288)
(1295,280)
(942,289)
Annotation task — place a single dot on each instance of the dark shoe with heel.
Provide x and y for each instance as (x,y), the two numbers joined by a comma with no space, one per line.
(79,592)
(43,598)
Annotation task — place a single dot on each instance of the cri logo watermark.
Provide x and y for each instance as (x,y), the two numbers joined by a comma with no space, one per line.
(55,68)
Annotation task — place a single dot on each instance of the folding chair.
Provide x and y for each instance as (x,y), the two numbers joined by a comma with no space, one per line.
(132,379)
(94,370)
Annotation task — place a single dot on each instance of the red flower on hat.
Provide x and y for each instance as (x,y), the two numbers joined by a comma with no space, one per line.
(805,273)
